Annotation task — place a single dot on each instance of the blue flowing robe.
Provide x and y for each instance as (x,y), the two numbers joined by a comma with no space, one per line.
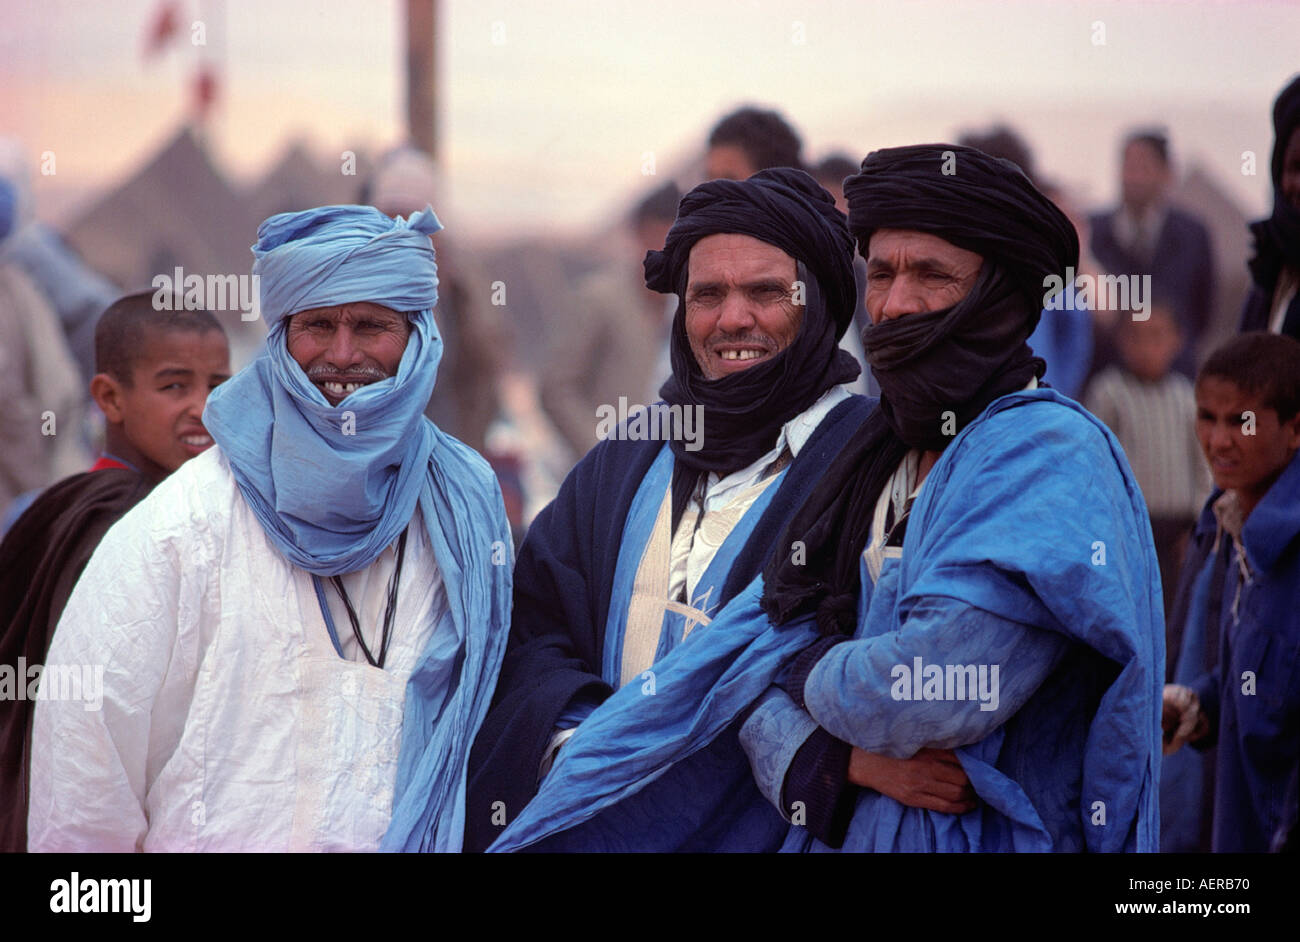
(1252,693)
(1031,524)
(564,582)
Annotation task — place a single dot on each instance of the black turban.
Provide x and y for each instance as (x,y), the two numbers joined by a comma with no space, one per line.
(743,412)
(962,195)
(1277,238)
(937,370)
(1286,117)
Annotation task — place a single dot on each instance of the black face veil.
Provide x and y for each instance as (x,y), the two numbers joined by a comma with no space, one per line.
(743,412)
(937,370)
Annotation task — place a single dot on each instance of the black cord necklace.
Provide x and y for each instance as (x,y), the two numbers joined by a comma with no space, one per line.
(389,612)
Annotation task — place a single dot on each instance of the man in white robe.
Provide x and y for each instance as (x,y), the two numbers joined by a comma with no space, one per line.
(291,643)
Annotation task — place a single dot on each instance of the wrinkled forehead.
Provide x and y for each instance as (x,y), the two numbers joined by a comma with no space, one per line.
(895,246)
(353,311)
(736,255)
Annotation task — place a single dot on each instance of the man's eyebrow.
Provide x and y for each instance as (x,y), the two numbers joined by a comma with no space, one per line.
(932,263)
(170,371)
(376,317)
(924,263)
(765,281)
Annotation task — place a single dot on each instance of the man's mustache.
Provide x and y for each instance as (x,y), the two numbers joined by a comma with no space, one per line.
(748,339)
(361,374)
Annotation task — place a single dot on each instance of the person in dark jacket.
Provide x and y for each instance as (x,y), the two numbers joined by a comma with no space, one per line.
(1273,303)
(1145,235)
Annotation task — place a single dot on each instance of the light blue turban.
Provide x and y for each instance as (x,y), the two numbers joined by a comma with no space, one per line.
(333,486)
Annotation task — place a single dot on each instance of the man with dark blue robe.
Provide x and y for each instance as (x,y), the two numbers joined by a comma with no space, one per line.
(650,540)
(970,588)
(1235,698)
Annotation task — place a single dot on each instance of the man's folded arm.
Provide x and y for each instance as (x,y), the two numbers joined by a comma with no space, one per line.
(880,693)
(799,767)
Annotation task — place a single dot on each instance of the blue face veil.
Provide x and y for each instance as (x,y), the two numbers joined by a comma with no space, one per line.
(332,486)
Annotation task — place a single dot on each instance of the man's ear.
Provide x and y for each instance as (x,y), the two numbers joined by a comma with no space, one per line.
(108,395)
(1291,428)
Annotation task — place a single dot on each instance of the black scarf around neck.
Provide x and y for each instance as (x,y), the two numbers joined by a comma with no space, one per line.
(743,412)
(938,371)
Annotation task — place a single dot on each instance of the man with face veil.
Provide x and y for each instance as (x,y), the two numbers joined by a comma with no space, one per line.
(300,629)
(648,540)
(979,565)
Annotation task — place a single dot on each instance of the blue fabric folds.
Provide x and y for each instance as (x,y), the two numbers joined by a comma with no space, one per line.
(604,779)
(709,803)
(287,446)
(471,540)
(639,762)
(333,486)
(1032,515)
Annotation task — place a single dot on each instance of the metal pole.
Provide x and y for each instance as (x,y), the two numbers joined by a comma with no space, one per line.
(421,75)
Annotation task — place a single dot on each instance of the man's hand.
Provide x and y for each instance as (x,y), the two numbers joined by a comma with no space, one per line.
(932,779)
(1181,719)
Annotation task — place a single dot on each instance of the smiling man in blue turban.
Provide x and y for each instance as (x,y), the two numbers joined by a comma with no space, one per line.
(299,632)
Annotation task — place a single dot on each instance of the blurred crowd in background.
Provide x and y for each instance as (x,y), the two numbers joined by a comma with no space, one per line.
(540,334)
(545,333)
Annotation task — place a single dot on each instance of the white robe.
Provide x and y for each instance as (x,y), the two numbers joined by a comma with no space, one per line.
(228,720)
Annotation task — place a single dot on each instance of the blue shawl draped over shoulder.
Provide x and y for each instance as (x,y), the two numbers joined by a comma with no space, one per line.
(333,486)
(636,752)
(564,583)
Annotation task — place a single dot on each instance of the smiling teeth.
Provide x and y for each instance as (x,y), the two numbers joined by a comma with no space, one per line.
(342,389)
(198,441)
(741,354)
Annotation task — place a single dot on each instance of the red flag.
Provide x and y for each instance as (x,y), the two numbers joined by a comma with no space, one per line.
(205,90)
(166,23)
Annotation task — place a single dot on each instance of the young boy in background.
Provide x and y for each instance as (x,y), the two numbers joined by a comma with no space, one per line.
(1238,673)
(154,372)
(1148,405)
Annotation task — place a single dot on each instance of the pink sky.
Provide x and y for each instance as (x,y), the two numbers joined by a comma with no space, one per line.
(550,107)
